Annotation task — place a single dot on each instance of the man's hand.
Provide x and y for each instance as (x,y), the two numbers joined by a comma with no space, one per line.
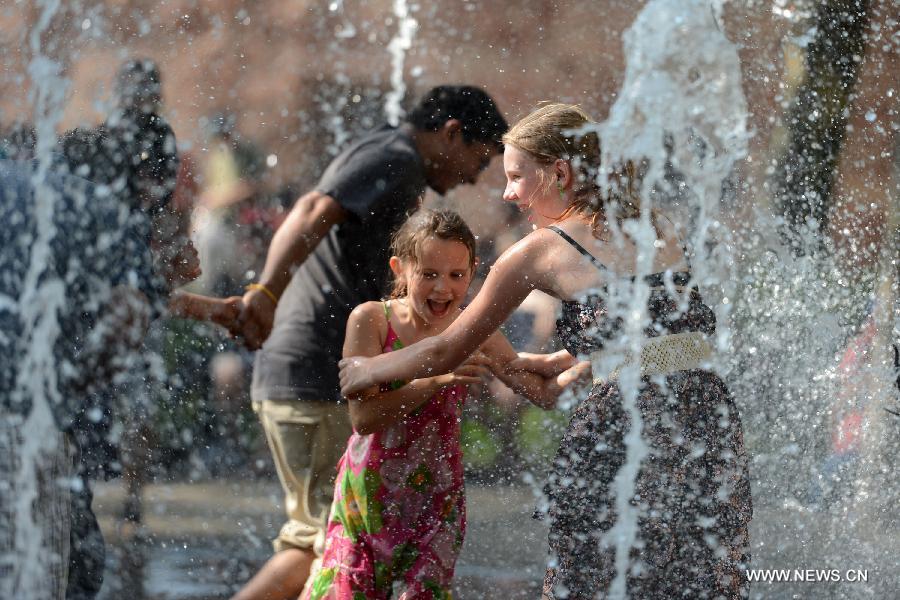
(226,312)
(312,217)
(254,323)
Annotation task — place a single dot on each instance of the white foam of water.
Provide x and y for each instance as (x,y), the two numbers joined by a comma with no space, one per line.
(682,82)
(398,46)
(681,102)
(40,301)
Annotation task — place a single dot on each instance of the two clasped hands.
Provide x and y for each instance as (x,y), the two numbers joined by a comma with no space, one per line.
(249,320)
(561,367)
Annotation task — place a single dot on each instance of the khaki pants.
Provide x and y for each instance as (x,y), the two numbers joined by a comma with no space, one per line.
(306,439)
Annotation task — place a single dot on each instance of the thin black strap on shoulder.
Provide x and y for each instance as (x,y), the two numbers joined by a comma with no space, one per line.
(578,247)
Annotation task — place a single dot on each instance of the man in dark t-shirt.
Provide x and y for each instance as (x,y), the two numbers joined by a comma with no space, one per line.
(330,255)
(377,181)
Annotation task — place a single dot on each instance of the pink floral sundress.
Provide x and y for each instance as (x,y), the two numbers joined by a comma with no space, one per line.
(398,517)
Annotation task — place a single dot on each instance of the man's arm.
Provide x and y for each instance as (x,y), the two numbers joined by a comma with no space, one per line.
(309,221)
(221,311)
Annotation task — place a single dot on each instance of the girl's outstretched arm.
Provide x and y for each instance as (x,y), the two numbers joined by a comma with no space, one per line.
(541,391)
(539,377)
(515,274)
(545,365)
(373,409)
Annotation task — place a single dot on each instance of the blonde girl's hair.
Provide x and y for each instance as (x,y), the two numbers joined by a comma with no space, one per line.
(564,131)
(406,243)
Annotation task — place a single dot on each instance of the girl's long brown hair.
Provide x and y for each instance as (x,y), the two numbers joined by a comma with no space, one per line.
(442,224)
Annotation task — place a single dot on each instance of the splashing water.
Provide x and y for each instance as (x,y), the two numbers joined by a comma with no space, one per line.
(33,438)
(681,107)
(781,317)
(398,47)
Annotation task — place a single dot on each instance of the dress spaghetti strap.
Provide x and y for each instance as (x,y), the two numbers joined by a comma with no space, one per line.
(578,247)
(392,340)
(656,280)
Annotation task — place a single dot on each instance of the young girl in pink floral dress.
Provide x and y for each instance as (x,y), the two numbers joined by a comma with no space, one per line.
(399,515)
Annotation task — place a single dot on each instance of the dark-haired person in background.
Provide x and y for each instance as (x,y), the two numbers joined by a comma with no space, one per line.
(95,274)
(131,163)
(144,140)
(132,160)
(329,256)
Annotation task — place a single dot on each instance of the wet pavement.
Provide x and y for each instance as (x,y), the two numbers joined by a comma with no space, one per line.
(202,541)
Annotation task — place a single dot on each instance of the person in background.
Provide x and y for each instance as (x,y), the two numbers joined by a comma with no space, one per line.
(857,384)
(330,255)
(230,177)
(115,269)
(503,426)
(132,161)
(231,180)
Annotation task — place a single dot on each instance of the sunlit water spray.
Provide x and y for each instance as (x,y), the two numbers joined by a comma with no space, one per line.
(33,434)
(780,317)
(682,84)
(333,103)
(398,47)
(681,108)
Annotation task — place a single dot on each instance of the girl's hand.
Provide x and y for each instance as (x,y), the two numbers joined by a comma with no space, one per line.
(474,371)
(580,373)
(545,365)
(355,376)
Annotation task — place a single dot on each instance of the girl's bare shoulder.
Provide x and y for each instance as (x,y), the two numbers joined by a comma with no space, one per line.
(534,246)
(368,310)
(369,314)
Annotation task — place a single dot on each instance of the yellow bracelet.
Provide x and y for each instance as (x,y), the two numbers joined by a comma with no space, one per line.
(264,290)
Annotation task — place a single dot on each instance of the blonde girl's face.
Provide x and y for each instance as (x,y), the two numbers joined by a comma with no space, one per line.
(438,280)
(531,187)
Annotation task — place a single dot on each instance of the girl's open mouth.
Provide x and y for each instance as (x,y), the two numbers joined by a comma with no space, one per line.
(438,309)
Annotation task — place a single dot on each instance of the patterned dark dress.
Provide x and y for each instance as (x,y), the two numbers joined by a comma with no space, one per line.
(692,489)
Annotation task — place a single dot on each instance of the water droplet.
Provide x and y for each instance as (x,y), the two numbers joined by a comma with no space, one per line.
(871,116)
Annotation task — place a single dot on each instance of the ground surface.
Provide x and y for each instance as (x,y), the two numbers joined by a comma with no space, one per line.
(201,541)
